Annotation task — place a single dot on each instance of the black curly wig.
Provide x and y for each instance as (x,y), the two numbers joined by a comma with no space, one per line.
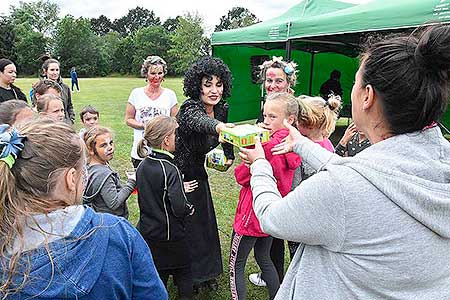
(206,66)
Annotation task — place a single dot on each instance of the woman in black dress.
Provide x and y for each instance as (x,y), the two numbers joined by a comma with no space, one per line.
(201,118)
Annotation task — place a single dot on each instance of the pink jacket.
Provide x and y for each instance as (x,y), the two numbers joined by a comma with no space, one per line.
(245,221)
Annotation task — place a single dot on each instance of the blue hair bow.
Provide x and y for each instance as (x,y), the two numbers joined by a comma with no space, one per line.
(288,70)
(11,144)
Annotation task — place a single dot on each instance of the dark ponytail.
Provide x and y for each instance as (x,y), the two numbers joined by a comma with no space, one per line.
(411,75)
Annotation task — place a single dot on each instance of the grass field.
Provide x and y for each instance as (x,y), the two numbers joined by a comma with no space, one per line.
(109,96)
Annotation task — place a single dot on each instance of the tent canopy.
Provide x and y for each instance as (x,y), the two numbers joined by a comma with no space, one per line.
(320,18)
(277,29)
(320,35)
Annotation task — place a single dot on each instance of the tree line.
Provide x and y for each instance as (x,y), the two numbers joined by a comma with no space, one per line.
(100,46)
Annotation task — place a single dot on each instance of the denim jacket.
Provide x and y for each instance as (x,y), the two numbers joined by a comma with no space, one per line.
(104,257)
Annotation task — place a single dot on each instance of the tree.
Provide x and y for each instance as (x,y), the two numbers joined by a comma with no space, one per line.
(123,57)
(171,24)
(187,42)
(7,38)
(42,15)
(76,45)
(29,46)
(135,19)
(106,46)
(150,41)
(101,25)
(237,17)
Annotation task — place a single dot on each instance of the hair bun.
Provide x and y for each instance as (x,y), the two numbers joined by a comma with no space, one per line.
(433,48)
(334,102)
(44,57)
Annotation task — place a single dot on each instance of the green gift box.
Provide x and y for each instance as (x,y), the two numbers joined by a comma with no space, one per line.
(244,135)
(215,159)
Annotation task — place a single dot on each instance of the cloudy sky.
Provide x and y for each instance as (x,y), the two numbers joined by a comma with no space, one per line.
(210,10)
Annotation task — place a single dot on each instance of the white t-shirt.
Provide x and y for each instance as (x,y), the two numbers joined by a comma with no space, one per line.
(146,109)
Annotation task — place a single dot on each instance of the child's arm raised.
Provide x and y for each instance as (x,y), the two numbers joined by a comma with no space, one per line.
(113,198)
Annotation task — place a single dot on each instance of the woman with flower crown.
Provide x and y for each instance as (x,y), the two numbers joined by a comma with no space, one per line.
(276,76)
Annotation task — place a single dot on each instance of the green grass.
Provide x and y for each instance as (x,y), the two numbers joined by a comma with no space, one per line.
(109,96)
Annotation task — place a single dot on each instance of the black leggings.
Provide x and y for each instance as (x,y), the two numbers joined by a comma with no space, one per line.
(183,280)
(277,256)
(241,245)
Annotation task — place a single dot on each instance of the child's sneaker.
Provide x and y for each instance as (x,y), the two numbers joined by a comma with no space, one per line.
(256,279)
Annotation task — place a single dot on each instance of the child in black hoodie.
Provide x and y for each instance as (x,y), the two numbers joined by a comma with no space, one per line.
(163,204)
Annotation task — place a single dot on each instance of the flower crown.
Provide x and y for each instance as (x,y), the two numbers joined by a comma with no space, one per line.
(288,67)
(11,144)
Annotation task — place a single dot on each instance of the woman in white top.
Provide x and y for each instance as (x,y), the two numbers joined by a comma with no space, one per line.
(149,101)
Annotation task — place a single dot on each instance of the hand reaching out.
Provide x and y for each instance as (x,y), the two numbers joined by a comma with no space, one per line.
(229,163)
(288,142)
(222,125)
(248,156)
(349,132)
(190,186)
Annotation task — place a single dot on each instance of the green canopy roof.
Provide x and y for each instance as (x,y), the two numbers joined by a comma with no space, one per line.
(315,18)
(277,29)
(373,16)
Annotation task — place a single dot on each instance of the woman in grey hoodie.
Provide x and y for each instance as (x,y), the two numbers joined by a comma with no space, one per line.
(376,225)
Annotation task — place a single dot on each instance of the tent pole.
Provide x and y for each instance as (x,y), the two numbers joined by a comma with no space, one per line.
(288,50)
(311,73)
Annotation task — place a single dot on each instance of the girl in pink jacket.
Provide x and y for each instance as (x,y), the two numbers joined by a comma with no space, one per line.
(247,233)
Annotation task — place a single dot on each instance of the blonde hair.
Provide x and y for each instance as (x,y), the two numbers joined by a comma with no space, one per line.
(316,112)
(154,133)
(43,102)
(90,138)
(289,101)
(27,188)
(150,61)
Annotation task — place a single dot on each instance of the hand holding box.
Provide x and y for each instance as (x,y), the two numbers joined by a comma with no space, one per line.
(244,135)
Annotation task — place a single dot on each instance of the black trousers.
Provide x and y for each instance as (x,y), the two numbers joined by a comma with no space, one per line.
(277,256)
(182,278)
(241,246)
(76,84)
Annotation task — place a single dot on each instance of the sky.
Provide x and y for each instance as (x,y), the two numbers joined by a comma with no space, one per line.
(210,10)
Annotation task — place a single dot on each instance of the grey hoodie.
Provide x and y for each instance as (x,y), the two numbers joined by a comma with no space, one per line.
(372,226)
(105,193)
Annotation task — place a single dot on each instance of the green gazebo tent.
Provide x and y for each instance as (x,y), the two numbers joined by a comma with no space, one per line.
(320,35)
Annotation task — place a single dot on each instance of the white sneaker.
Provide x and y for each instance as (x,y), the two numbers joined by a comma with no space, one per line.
(256,279)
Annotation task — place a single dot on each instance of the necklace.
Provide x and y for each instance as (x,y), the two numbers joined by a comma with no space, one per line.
(153,95)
